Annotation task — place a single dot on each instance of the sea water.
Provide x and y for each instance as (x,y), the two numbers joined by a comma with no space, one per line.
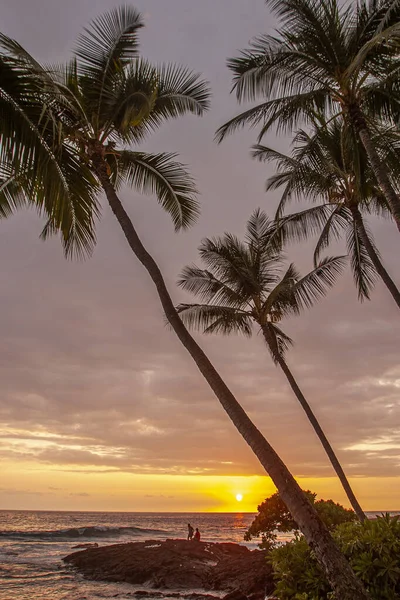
(32,544)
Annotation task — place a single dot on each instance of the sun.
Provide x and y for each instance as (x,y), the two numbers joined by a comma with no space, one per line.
(239,497)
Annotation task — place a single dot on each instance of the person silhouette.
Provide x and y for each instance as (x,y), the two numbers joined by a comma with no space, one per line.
(190,532)
(197,535)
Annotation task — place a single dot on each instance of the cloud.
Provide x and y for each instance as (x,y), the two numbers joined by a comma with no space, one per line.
(92,379)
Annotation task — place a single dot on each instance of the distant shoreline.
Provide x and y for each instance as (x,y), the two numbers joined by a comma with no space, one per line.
(160,512)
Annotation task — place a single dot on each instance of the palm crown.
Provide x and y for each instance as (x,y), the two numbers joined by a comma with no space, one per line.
(329,168)
(327,58)
(106,98)
(246,283)
(115,97)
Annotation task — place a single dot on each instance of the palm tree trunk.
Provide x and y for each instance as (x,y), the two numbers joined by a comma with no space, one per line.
(380,269)
(359,122)
(337,569)
(270,339)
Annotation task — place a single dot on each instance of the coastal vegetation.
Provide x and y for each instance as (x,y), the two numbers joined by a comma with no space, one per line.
(372,548)
(273,517)
(66,137)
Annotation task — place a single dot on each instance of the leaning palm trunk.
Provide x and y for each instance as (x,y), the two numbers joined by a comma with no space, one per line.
(361,127)
(270,340)
(380,269)
(335,565)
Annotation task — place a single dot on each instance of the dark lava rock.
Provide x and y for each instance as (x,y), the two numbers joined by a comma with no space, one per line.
(180,565)
(87,545)
(235,595)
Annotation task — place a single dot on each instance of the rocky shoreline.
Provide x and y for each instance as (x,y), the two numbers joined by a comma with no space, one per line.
(181,566)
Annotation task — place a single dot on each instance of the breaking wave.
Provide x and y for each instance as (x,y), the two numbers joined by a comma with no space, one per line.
(83,532)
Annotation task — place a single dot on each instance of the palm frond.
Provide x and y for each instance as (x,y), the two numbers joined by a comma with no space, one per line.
(144,96)
(106,47)
(208,287)
(284,112)
(26,123)
(71,210)
(381,101)
(379,206)
(259,227)
(127,107)
(264,240)
(364,272)
(42,171)
(380,39)
(167,179)
(180,91)
(260,71)
(225,255)
(315,284)
(265,154)
(234,262)
(12,197)
(110,40)
(280,301)
(333,229)
(104,50)
(210,318)
(389,13)
(304,224)
(252,117)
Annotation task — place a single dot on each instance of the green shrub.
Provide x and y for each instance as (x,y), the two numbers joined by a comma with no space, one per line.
(372,548)
(273,517)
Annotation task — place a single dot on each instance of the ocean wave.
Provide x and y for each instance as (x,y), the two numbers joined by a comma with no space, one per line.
(99,531)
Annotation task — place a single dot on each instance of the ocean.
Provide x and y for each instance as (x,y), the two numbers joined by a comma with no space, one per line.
(32,544)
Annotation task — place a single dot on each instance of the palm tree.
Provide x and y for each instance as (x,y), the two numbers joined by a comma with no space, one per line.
(328,167)
(106,98)
(63,190)
(329,57)
(243,285)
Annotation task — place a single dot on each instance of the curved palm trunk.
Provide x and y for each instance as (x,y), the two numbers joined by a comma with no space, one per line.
(380,171)
(271,342)
(335,565)
(380,269)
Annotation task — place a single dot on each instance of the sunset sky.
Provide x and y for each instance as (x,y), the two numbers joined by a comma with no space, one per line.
(100,407)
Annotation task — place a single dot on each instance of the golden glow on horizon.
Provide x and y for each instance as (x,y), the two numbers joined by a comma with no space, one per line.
(36,486)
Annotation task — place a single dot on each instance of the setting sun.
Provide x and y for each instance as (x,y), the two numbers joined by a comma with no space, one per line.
(239,497)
